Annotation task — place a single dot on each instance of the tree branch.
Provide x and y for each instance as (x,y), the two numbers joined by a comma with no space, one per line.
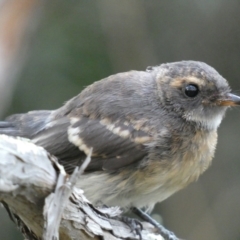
(37,193)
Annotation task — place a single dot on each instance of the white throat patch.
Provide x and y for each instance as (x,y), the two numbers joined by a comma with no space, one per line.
(210,123)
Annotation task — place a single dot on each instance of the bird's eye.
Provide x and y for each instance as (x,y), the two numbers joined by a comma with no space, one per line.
(191,90)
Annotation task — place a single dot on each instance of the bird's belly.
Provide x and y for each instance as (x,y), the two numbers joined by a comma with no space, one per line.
(126,192)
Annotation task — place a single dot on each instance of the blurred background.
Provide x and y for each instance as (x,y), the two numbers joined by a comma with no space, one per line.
(62,46)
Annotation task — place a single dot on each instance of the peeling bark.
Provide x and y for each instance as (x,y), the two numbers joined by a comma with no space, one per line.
(38,194)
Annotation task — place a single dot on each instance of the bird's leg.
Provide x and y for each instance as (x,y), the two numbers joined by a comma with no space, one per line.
(162,230)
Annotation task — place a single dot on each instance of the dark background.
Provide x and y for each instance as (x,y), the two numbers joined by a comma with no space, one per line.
(79,42)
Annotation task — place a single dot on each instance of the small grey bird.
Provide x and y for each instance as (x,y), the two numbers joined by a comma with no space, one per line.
(152,132)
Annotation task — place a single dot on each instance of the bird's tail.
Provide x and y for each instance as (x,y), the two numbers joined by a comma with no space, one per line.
(25,125)
(8,128)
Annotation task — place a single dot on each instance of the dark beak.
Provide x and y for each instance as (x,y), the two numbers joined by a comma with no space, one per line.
(230,100)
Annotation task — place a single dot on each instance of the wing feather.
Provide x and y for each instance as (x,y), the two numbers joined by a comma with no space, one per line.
(113,144)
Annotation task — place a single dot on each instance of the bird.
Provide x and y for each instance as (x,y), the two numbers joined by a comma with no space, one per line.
(151,132)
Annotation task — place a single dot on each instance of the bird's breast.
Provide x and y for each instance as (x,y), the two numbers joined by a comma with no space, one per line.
(187,158)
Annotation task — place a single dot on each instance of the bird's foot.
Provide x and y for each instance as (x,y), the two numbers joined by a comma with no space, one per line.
(168,235)
(134,224)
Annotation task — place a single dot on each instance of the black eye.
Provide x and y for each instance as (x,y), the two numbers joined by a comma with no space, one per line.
(191,90)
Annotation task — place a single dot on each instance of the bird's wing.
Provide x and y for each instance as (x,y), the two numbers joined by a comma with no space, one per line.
(115,145)
(110,116)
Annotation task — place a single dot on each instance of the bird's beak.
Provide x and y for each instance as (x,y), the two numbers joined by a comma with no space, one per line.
(229,100)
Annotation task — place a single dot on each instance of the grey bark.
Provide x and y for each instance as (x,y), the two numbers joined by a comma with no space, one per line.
(39,196)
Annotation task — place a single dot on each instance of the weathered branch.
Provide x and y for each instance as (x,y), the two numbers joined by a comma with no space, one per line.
(35,190)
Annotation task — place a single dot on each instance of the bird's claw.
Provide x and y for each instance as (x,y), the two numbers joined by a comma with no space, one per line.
(168,235)
(134,224)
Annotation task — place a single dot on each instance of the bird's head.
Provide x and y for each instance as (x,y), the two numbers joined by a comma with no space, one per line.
(195,91)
